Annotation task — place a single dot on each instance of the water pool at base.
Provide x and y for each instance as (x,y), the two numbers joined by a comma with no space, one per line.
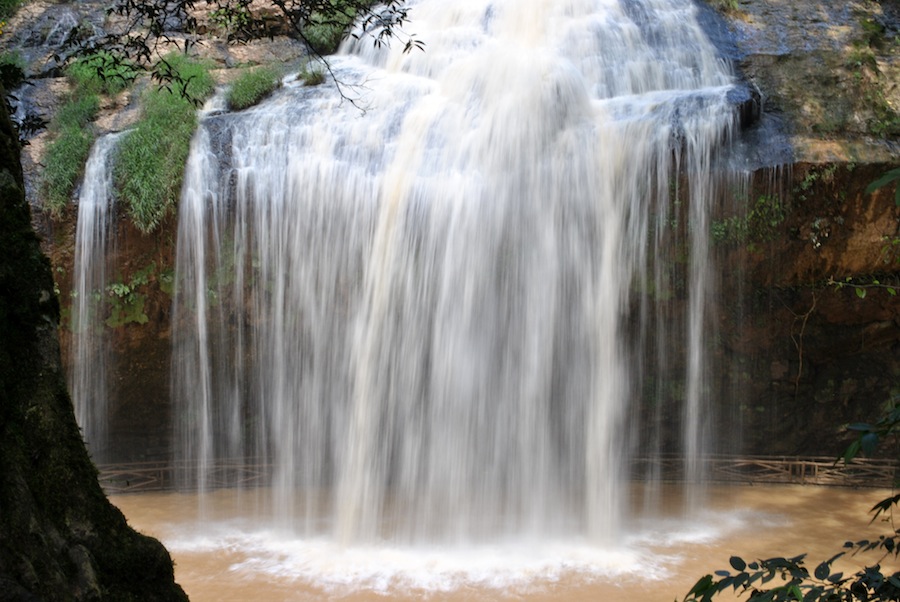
(225,556)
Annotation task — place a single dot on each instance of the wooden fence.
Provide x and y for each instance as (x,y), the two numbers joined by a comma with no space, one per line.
(138,477)
(252,472)
(860,472)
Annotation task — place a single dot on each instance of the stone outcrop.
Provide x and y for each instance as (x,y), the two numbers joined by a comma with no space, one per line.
(60,539)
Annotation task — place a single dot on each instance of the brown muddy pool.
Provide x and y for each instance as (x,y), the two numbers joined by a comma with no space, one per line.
(221,555)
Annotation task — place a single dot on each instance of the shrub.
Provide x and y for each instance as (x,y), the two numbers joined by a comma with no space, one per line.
(781,579)
(252,86)
(150,162)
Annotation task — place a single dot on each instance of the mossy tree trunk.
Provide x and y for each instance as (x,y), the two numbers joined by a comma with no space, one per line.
(60,539)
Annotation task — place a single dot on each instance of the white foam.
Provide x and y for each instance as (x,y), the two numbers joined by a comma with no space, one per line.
(519,566)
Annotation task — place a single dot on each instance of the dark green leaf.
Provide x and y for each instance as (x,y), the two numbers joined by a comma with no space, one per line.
(702,586)
(884,180)
(852,451)
(860,426)
(737,563)
(868,443)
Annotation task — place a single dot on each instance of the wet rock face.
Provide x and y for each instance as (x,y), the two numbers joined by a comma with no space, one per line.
(830,68)
(816,333)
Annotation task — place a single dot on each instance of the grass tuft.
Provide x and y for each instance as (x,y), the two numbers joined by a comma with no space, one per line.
(66,155)
(312,76)
(325,32)
(150,161)
(8,8)
(64,161)
(101,73)
(252,86)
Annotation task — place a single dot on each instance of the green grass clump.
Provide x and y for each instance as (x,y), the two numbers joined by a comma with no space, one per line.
(252,86)
(71,125)
(150,162)
(69,150)
(101,73)
(312,76)
(325,32)
(8,8)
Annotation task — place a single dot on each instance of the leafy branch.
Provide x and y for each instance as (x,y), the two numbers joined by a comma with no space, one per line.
(794,582)
(862,289)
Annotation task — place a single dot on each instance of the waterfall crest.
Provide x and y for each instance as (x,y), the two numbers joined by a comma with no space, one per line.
(433,317)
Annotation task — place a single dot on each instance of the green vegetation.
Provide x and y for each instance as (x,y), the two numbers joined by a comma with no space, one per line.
(325,29)
(870,81)
(861,285)
(725,5)
(891,176)
(67,154)
(312,75)
(231,19)
(8,9)
(127,304)
(151,159)
(782,579)
(759,224)
(101,73)
(89,77)
(252,86)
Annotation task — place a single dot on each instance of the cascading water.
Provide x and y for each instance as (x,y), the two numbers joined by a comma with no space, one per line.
(431,310)
(93,247)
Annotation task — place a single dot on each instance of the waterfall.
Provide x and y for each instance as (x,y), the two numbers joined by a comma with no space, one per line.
(435,311)
(94,243)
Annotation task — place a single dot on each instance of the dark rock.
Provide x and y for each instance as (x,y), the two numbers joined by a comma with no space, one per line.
(60,539)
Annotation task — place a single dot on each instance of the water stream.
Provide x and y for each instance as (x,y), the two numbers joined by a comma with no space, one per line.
(94,245)
(436,309)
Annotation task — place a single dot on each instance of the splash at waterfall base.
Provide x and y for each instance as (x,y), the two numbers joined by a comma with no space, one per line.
(230,558)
